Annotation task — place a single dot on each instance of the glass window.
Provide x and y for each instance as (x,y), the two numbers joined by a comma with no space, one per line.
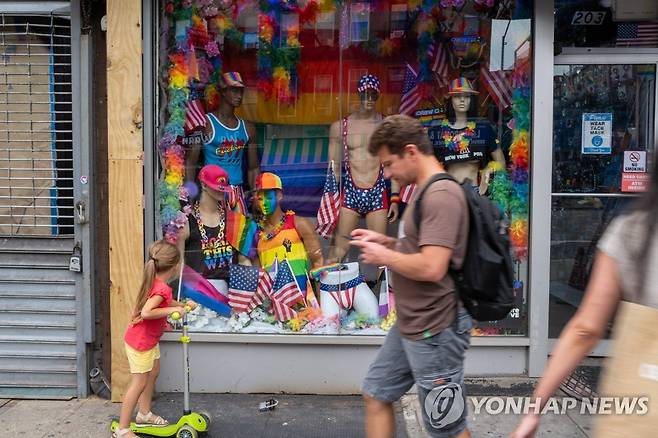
(295,89)
(603,132)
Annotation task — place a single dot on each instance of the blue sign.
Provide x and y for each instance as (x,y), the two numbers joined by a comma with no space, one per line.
(597,133)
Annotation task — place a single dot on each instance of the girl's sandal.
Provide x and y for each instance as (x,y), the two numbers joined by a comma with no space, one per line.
(123,433)
(150,419)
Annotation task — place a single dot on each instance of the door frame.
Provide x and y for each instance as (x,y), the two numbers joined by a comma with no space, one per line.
(82,87)
(578,56)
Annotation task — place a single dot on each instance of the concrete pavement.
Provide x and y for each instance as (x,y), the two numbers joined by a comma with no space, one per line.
(237,415)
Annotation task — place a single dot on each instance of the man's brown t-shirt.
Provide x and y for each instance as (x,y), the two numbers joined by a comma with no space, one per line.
(426,308)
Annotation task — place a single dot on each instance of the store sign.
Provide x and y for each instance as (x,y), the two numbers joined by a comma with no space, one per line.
(635,161)
(635,182)
(431,116)
(597,133)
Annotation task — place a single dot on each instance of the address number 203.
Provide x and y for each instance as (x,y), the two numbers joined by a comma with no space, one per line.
(588,18)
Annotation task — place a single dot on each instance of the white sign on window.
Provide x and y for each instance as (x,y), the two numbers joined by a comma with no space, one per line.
(635,161)
(597,133)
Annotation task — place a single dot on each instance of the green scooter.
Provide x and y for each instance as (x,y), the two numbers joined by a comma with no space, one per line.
(191,423)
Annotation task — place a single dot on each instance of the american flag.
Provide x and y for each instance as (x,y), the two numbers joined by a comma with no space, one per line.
(498,85)
(407,192)
(285,293)
(410,93)
(248,287)
(344,297)
(439,62)
(329,205)
(637,34)
(195,115)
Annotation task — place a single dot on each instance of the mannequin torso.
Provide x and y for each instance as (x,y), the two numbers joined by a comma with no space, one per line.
(363,167)
(466,146)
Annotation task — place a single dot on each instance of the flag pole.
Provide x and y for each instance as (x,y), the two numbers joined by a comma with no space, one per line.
(180,280)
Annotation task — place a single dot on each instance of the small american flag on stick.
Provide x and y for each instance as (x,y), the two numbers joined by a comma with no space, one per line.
(329,205)
(248,287)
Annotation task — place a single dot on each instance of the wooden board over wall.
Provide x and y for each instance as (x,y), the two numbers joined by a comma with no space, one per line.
(125,169)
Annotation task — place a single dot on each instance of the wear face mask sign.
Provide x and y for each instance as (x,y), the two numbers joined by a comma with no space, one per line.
(267,201)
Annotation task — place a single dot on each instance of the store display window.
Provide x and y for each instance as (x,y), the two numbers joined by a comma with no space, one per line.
(266,109)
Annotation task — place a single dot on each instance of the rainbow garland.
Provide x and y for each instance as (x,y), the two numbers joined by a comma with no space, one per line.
(519,158)
(173,154)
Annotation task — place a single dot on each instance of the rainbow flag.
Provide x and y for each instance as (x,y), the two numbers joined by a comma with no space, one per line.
(241,233)
(319,272)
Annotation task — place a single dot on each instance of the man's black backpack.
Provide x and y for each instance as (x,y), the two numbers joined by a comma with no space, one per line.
(486,278)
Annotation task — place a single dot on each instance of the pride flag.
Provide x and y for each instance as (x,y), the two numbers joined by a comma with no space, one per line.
(197,288)
(241,233)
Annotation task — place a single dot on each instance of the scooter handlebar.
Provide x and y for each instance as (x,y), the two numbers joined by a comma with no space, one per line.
(176,315)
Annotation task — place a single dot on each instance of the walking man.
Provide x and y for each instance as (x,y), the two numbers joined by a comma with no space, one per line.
(432,333)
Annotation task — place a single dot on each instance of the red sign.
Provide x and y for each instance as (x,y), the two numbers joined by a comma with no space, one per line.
(634,182)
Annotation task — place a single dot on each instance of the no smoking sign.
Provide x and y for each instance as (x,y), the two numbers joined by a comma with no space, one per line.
(635,161)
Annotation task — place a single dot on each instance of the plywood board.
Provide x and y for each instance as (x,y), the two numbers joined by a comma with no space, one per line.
(125,173)
(124,78)
(126,258)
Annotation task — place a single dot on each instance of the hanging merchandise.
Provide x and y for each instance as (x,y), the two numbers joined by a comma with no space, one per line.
(519,157)
(173,154)
(279,50)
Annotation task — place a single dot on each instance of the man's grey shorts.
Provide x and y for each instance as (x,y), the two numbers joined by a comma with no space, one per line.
(435,365)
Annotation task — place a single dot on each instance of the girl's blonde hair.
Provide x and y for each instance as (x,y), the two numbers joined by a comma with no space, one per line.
(162,257)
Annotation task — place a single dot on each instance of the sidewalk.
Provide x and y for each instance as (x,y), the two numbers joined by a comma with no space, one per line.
(571,425)
(236,415)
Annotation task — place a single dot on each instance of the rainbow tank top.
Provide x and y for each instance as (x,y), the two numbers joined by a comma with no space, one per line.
(286,244)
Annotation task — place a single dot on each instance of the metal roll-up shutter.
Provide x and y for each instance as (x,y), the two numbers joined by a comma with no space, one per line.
(37,290)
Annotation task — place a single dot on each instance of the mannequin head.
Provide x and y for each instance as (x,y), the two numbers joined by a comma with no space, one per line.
(368,89)
(460,103)
(231,89)
(268,201)
(214,183)
(461,95)
(268,194)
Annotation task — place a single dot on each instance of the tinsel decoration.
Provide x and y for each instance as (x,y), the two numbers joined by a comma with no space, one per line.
(519,159)
(173,154)
(500,185)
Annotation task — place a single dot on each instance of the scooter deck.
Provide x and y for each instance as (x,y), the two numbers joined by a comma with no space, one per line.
(194,420)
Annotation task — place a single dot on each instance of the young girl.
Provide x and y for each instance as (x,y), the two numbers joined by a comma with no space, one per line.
(149,319)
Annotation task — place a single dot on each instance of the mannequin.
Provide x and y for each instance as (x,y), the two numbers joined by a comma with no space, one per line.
(466,146)
(282,235)
(345,289)
(364,189)
(202,239)
(226,136)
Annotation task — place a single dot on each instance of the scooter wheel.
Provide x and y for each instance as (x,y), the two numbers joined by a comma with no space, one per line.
(187,432)
(206,416)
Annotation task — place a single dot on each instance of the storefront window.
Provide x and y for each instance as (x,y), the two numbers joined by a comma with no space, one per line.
(603,136)
(605,23)
(294,89)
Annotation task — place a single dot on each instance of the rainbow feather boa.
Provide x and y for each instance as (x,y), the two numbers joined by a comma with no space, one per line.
(519,159)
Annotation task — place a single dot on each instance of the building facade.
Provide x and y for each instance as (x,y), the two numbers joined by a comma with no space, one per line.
(562,97)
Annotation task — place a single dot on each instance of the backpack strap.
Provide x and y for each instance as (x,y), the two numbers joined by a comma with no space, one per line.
(418,206)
